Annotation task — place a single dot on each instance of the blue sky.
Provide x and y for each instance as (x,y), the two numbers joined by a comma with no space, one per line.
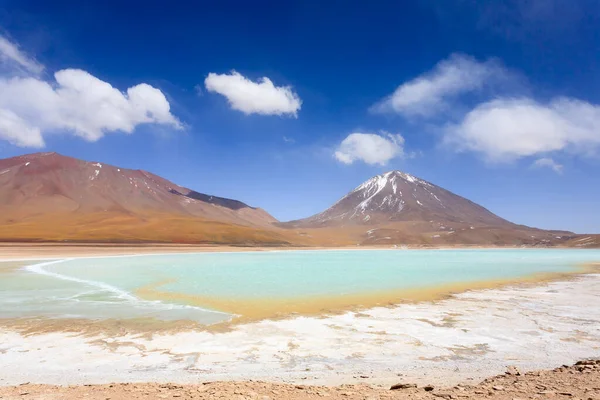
(497,101)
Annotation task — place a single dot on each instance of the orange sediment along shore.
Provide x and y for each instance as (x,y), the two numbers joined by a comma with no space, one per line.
(252,309)
(19,251)
(22,250)
(462,339)
(248,308)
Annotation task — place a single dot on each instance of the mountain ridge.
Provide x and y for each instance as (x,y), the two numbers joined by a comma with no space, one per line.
(397,208)
(36,190)
(46,163)
(400,196)
(54,198)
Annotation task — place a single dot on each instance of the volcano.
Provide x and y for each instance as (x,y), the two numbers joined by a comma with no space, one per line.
(398,196)
(400,208)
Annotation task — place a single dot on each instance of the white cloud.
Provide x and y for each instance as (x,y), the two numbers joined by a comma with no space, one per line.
(508,129)
(430,93)
(547,162)
(254,97)
(78,103)
(502,127)
(370,148)
(10,53)
(74,102)
(16,131)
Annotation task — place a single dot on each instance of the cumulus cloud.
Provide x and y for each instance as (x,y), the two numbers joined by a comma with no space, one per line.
(249,97)
(77,103)
(16,131)
(11,54)
(74,102)
(506,123)
(547,162)
(370,148)
(431,92)
(508,129)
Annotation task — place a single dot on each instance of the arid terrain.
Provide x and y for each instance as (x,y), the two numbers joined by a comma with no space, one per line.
(578,382)
(47,197)
(53,206)
(53,198)
(300,200)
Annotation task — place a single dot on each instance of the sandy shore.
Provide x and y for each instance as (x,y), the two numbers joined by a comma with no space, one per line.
(28,251)
(33,251)
(581,381)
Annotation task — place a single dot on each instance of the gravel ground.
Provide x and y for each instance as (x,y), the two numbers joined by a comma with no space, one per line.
(580,381)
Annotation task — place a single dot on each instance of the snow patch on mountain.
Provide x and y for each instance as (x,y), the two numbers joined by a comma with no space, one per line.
(392,200)
(399,196)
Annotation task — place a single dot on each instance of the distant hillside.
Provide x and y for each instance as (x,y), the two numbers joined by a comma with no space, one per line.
(50,197)
(397,208)
(397,196)
(47,196)
(584,242)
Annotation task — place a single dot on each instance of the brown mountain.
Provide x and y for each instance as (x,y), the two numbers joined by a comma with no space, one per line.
(397,196)
(50,197)
(399,208)
(47,196)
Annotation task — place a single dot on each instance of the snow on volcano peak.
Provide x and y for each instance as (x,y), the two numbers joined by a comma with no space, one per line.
(395,196)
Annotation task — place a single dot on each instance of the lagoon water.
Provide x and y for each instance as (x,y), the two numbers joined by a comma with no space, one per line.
(108,287)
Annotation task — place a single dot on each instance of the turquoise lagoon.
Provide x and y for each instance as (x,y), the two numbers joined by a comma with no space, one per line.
(105,288)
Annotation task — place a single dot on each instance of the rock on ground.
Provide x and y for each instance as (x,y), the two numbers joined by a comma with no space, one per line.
(580,381)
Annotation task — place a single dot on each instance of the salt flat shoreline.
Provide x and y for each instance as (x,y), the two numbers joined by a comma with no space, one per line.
(44,251)
(459,340)
(463,339)
(28,251)
(254,310)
